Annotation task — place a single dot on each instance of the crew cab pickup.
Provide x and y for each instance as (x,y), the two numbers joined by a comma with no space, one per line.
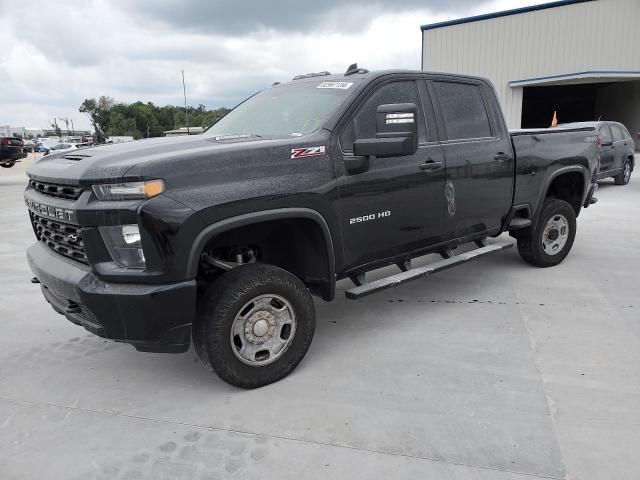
(221,239)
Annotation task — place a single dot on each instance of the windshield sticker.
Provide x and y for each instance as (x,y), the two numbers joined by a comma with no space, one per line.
(307,152)
(338,85)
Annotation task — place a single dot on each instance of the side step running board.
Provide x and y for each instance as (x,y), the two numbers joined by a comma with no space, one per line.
(415,273)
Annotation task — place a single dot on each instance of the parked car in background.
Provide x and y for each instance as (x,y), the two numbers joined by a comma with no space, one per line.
(616,150)
(28,145)
(65,146)
(42,148)
(61,147)
(11,151)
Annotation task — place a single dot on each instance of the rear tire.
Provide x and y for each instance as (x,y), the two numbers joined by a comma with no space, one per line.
(255,324)
(8,165)
(549,241)
(625,176)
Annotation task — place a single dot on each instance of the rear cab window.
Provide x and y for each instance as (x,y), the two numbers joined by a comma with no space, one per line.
(464,110)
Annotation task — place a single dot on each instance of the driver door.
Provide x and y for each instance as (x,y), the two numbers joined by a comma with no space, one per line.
(397,205)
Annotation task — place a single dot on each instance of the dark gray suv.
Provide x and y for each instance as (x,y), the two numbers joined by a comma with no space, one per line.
(616,150)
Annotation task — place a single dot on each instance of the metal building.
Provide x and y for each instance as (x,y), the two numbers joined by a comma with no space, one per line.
(580,58)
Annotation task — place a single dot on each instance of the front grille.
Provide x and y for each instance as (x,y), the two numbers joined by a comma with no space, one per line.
(63,238)
(68,192)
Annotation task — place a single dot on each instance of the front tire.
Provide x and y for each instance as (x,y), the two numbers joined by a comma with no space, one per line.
(7,165)
(549,241)
(625,176)
(254,326)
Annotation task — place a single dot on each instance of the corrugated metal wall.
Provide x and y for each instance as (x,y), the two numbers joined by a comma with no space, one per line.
(599,35)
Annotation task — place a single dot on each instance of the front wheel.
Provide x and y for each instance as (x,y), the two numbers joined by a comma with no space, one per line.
(254,326)
(549,241)
(625,176)
(7,165)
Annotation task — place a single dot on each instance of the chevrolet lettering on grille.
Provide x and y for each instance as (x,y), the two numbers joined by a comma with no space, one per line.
(49,211)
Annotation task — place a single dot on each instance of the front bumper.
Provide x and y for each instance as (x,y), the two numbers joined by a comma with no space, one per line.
(153,318)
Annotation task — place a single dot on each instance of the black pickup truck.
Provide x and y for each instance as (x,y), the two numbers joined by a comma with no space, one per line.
(222,238)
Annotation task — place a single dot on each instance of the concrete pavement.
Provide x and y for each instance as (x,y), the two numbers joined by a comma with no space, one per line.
(494,370)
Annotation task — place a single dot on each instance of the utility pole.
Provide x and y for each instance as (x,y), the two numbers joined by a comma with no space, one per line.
(186,112)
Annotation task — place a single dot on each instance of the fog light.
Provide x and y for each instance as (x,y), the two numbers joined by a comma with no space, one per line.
(124,244)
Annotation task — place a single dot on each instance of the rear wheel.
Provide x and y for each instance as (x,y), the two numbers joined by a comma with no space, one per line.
(549,241)
(625,175)
(7,165)
(255,324)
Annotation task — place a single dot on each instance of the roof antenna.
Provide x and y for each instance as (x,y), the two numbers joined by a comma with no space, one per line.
(186,112)
(353,68)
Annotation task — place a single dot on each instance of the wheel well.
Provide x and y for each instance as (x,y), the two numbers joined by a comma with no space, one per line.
(633,161)
(297,245)
(568,187)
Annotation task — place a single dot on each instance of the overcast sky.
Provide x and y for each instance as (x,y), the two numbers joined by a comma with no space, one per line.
(54,54)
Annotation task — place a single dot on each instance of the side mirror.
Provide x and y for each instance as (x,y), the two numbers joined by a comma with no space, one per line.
(606,143)
(396,132)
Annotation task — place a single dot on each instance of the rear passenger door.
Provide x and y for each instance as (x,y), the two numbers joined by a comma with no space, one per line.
(607,150)
(478,157)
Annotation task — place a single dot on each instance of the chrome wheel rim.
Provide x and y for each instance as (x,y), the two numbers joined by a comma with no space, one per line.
(555,234)
(263,330)
(627,172)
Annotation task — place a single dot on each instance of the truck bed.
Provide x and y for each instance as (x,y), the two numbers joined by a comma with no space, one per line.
(543,153)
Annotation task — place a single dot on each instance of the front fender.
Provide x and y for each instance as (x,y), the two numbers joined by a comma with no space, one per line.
(215,229)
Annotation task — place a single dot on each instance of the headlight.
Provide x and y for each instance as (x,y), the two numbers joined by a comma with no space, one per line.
(129,191)
(124,245)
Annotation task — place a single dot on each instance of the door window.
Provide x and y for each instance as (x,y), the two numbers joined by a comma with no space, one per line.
(463,109)
(617,133)
(363,124)
(605,131)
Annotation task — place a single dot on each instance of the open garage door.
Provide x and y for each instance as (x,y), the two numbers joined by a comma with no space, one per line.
(573,103)
(617,101)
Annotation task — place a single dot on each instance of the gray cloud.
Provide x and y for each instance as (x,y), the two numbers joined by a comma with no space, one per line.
(243,17)
(135,50)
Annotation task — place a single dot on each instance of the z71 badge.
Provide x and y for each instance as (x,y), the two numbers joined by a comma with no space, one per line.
(307,152)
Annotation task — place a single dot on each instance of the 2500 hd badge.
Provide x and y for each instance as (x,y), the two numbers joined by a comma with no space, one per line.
(368,218)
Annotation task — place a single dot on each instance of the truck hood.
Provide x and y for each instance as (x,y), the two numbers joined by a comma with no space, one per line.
(139,159)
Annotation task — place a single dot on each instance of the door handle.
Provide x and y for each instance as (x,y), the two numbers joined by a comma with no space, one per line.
(430,165)
(502,157)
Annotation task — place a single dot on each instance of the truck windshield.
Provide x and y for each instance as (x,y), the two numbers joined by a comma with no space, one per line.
(291,110)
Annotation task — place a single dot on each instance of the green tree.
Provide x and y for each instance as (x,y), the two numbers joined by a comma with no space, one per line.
(98,113)
(142,120)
